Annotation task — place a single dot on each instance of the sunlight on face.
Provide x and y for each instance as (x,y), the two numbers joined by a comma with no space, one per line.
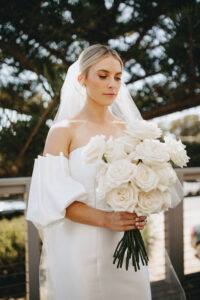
(103,81)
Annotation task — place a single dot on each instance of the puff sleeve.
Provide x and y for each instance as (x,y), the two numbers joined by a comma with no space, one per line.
(52,189)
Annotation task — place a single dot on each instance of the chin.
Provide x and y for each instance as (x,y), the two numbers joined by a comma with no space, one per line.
(103,101)
(106,103)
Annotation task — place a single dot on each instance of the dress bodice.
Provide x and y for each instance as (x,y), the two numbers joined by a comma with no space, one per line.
(74,251)
(85,174)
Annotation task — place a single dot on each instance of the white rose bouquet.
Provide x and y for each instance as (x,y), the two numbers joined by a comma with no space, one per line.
(135,175)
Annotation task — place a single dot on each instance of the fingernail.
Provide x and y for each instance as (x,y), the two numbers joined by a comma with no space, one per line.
(137,223)
(137,219)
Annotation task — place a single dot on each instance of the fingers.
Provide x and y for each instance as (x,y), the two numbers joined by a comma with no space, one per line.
(131,216)
(127,216)
(140,225)
(141,218)
(128,221)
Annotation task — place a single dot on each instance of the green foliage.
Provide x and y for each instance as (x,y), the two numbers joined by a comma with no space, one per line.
(193,151)
(187,129)
(159,42)
(44,38)
(12,257)
(189,125)
(12,140)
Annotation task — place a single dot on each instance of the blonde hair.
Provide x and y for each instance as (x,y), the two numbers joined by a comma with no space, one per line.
(94,53)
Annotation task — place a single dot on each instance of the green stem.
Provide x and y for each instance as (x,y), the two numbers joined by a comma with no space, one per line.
(132,242)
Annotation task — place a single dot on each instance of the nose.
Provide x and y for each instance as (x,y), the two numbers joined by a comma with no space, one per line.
(112,82)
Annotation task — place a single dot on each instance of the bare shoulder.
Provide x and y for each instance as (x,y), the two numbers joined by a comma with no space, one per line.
(59,138)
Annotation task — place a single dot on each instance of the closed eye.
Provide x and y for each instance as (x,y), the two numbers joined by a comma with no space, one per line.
(103,77)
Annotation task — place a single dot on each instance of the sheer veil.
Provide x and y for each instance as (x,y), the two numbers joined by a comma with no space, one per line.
(73,98)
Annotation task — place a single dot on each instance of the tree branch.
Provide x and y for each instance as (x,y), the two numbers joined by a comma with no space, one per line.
(34,132)
(172,107)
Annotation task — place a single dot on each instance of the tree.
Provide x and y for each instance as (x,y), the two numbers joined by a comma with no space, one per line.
(12,139)
(188,126)
(188,130)
(158,41)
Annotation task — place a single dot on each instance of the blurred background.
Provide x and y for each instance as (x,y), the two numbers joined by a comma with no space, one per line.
(159,42)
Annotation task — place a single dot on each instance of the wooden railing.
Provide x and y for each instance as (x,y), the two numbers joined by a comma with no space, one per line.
(174,225)
(173,229)
(21,185)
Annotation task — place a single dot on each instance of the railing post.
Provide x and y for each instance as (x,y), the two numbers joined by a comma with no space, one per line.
(32,259)
(20,185)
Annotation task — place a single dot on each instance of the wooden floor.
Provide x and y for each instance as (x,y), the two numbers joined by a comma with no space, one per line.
(166,291)
(191,286)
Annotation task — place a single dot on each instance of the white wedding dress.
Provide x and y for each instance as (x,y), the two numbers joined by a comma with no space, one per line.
(79,257)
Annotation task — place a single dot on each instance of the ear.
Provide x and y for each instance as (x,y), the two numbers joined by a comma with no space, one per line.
(81,79)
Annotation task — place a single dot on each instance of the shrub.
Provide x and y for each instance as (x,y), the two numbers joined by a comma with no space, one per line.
(12,257)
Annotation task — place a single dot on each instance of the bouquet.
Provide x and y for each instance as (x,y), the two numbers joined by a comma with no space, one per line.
(135,174)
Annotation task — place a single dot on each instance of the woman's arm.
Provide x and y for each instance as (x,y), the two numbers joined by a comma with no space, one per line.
(58,140)
(118,221)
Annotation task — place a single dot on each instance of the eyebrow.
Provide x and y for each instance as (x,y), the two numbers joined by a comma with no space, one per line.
(108,71)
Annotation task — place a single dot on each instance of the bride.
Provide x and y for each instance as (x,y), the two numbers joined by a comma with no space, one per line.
(79,234)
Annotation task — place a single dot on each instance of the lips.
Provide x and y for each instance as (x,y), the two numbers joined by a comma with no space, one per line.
(110,94)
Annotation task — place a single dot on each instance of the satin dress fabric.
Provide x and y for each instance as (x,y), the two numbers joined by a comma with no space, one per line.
(78,257)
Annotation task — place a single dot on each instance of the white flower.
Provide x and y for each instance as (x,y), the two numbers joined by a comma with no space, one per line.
(145,178)
(129,143)
(132,157)
(176,151)
(167,176)
(119,172)
(102,185)
(152,202)
(114,150)
(152,152)
(123,198)
(141,129)
(94,149)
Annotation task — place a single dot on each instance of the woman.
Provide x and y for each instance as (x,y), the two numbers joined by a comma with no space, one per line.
(80,234)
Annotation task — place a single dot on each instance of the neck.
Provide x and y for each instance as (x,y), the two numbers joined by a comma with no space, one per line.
(95,113)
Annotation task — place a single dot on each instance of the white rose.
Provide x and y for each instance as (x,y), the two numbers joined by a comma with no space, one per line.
(176,151)
(141,129)
(95,149)
(151,202)
(123,198)
(114,150)
(145,178)
(152,152)
(132,157)
(102,185)
(167,176)
(129,143)
(119,172)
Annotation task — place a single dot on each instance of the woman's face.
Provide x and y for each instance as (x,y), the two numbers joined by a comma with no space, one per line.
(103,81)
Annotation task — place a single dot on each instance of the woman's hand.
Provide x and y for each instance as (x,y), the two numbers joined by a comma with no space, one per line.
(123,221)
